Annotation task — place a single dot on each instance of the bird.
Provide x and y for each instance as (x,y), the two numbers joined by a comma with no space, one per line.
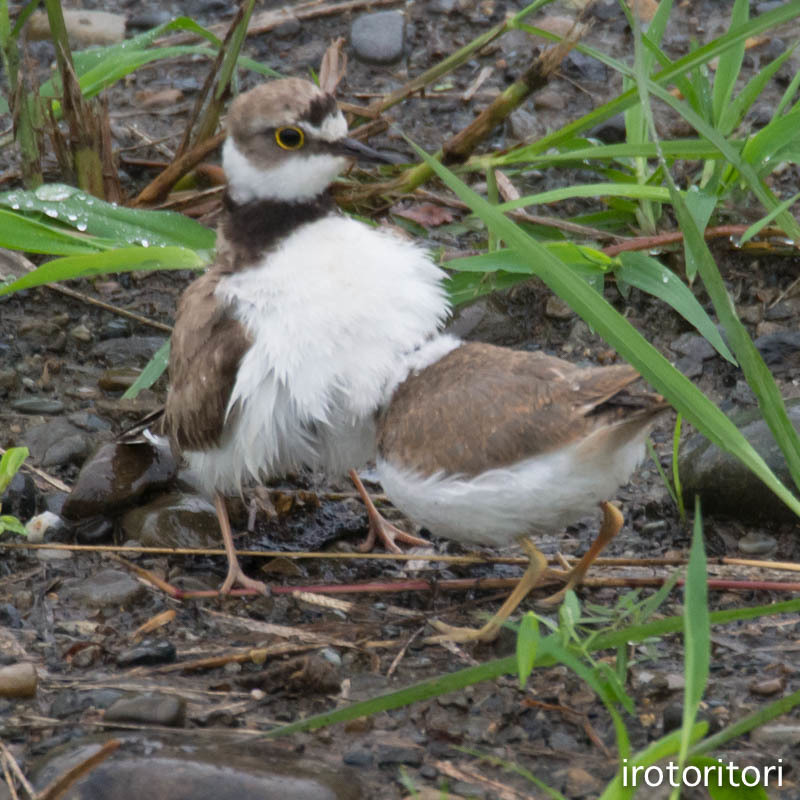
(316,340)
(488,445)
(285,348)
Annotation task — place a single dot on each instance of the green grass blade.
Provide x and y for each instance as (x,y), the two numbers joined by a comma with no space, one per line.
(702,55)
(618,332)
(73,208)
(124,259)
(696,634)
(735,112)
(153,370)
(653,277)
(730,63)
(764,221)
(10,462)
(19,232)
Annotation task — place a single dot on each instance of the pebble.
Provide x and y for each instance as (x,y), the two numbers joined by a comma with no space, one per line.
(108,588)
(38,405)
(81,333)
(39,525)
(768,687)
(84,27)
(756,543)
(776,735)
(67,703)
(390,754)
(116,476)
(147,765)
(57,443)
(173,520)
(725,485)
(10,616)
(378,37)
(115,328)
(149,709)
(18,680)
(612,131)
(581,783)
(693,346)
(522,125)
(358,758)
(556,308)
(127,350)
(147,653)
(549,100)
(9,380)
(584,68)
(20,496)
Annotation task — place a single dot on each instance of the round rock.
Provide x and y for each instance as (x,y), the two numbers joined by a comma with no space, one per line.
(378,38)
(116,476)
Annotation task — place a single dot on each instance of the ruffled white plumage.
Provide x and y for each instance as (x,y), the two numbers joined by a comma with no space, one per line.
(336,313)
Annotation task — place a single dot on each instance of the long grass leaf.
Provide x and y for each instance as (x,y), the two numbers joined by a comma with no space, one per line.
(124,259)
(616,330)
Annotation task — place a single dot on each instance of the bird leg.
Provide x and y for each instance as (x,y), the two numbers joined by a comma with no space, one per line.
(236,576)
(612,524)
(381,528)
(533,574)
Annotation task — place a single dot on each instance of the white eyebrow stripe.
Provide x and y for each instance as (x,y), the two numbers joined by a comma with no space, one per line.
(333,127)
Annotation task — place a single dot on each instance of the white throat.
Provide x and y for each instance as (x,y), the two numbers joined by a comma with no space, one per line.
(299,178)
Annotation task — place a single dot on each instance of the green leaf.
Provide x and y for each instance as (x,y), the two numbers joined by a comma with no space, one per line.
(125,259)
(527,643)
(10,463)
(18,232)
(651,276)
(723,783)
(154,369)
(701,205)
(117,225)
(730,63)
(696,632)
(764,221)
(619,333)
(9,523)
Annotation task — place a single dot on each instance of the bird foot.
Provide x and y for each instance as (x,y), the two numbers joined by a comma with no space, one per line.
(236,577)
(453,633)
(380,528)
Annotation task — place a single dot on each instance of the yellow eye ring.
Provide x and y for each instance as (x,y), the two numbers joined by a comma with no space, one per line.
(290,138)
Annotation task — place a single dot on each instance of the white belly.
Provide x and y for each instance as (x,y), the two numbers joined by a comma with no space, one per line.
(540,495)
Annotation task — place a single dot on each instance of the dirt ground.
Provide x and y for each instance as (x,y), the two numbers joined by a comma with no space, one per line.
(90,653)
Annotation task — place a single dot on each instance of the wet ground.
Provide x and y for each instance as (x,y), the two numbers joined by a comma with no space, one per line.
(225,670)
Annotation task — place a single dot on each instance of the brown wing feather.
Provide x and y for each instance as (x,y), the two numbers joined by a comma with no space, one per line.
(207,347)
(482,407)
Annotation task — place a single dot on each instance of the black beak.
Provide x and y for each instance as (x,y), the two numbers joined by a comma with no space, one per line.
(352,148)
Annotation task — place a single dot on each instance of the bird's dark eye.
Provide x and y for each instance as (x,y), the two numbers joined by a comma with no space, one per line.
(289,138)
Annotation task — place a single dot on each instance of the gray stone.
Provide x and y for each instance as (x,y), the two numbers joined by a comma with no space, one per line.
(116,476)
(173,520)
(127,350)
(109,587)
(38,405)
(724,484)
(147,653)
(18,680)
(157,768)
(148,709)
(694,346)
(410,755)
(57,442)
(757,544)
(379,37)
(9,380)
